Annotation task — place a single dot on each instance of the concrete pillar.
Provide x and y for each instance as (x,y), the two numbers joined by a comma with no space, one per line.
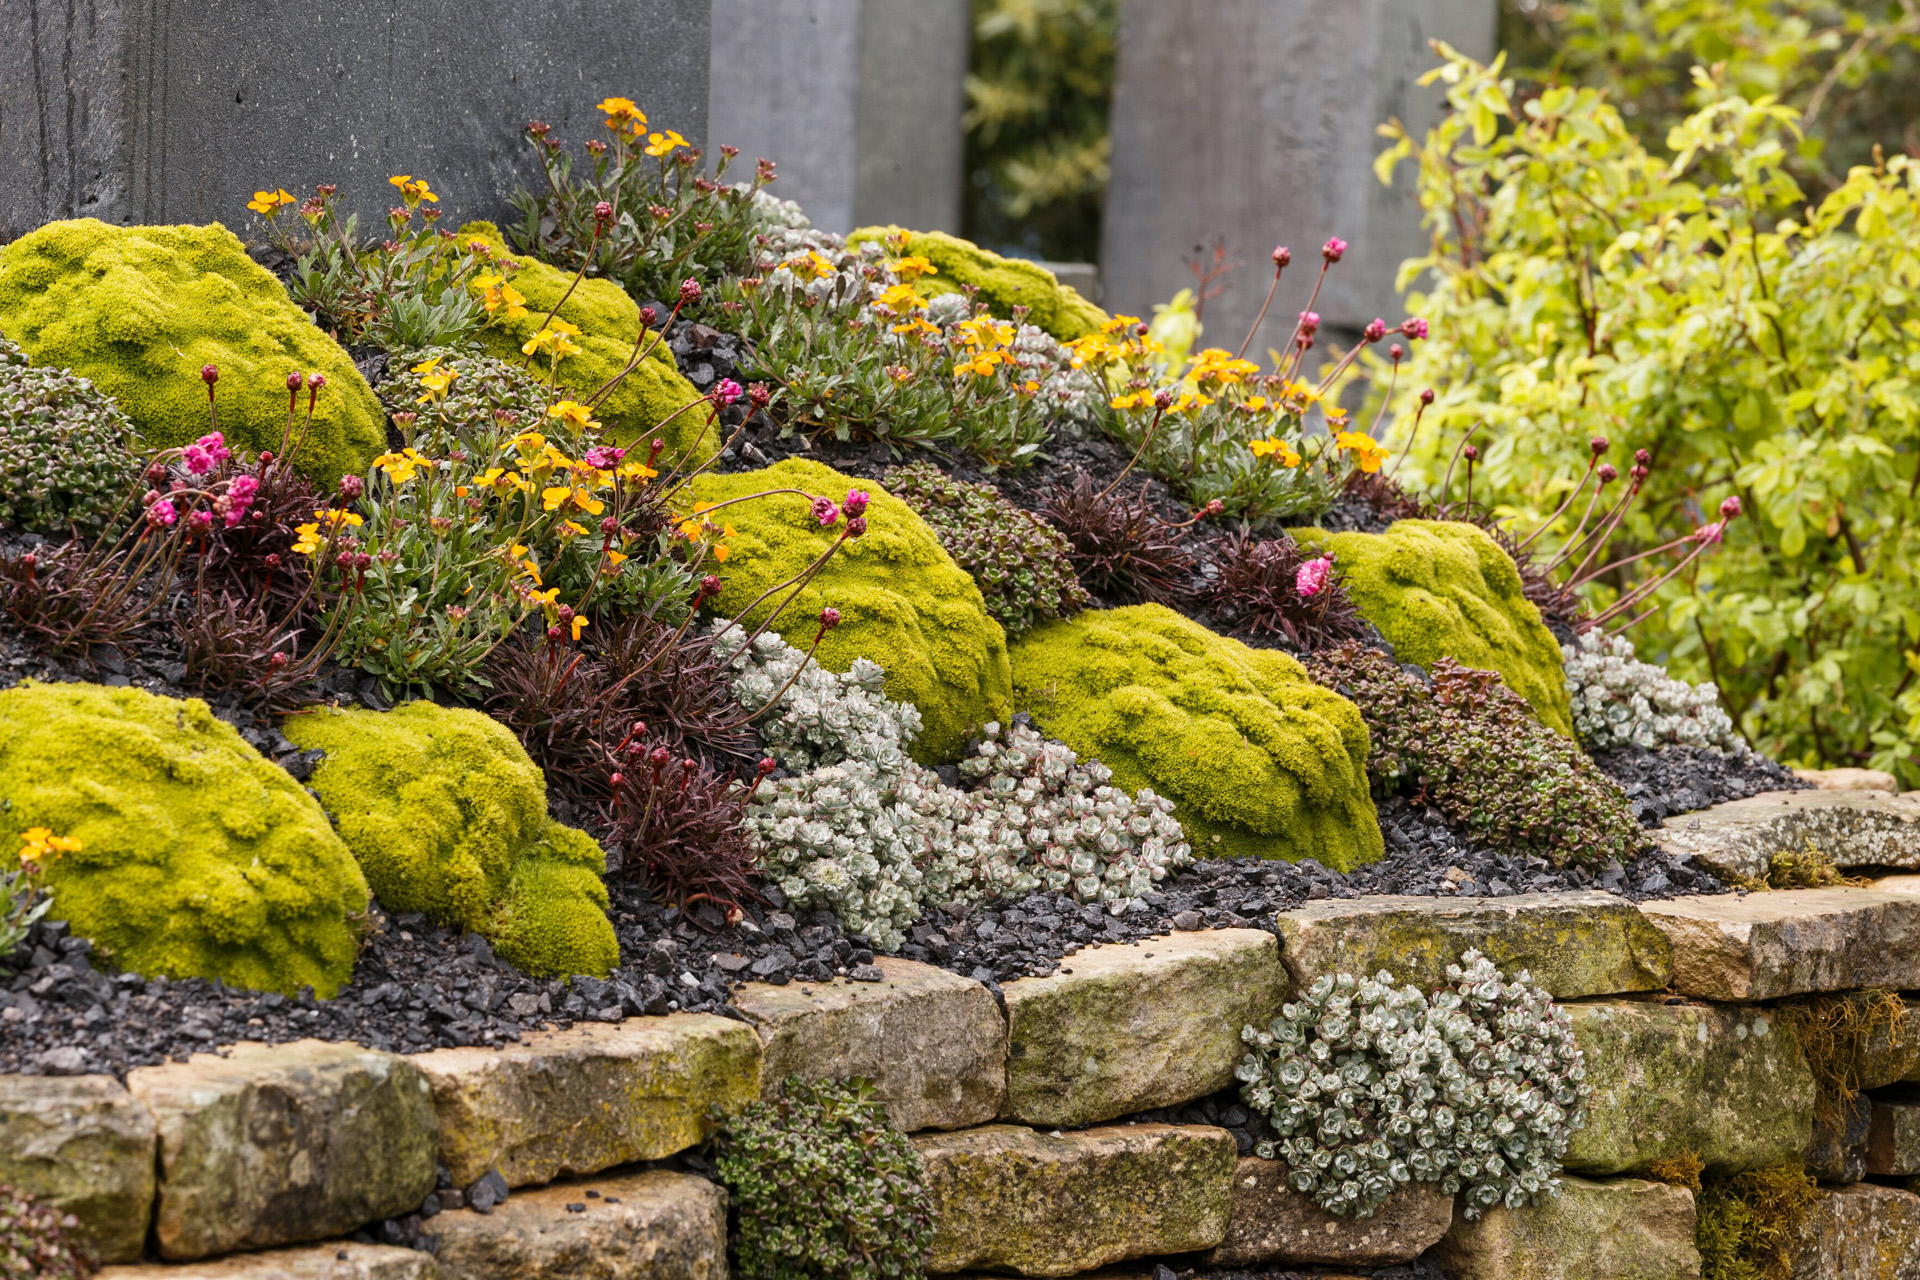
(170,111)
(858,103)
(1253,120)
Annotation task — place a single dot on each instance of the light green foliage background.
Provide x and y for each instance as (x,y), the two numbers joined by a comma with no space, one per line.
(448,816)
(1259,760)
(200,858)
(1686,299)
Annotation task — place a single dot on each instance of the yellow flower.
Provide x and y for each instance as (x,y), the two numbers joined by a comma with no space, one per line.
(1275,449)
(637,471)
(575,415)
(1121,324)
(664,144)
(40,842)
(548,601)
(916,325)
(1216,365)
(499,297)
(1367,453)
(308,538)
(269,202)
(334,519)
(623,116)
(981,365)
(578,621)
(616,558)
(1254,404)
(811,262)
(911,268)
(985,332)
(413,191)
(720,553)
(401,467)
(552,499)
(1191,402)
(523,560)
(900,299)
(577,530)
(556,338)
(1134,400)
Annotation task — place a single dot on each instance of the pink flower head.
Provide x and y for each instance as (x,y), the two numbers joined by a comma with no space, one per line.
(1282,256)
(352,486)
(857,527)
(1309,323)
(294,380)
(604,457)
(1607,473)
(1311,578)
(603,211)
(825,512)
(1729,507)
(161,513)
(725,392)
(856,503)
(829,618)
(1426,396)
(1413,327)
(1710,533)
(1334,249)
(200,521)
(198,460)
(209,373)
(689,292)
(1376,330)
(1396,353)
(1599,445)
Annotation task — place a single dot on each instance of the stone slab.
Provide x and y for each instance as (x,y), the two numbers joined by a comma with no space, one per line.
(1738,839)
(641,1226)
(933,1043)
(1838,1152)
(1127,1028)
(1268,1221)
(1729,1084)
(132,112)
(1574,944)
(283,1144)
(335,1260)
(1008,1198)
(1860,1232)
(85,1146)
(1850,779)
(1763,946)
(1621,1229)
(586,1099)
(1893,1138)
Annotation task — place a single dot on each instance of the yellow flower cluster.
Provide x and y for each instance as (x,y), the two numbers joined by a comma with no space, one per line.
(556,338)
(1366,451)
(1280,450)
(269,203)
(502,300)
(37,843)
(989,345)
(403,466)
(413,190)
(623,117)
(308,538)
(913,267)
(697,527)
(1120,342)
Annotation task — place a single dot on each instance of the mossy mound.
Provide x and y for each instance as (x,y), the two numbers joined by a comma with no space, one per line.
(448,816)
(1004,283)
(140,310)
(199,857)
(903,602)
(1258,759)
(608,321)
(1436,588)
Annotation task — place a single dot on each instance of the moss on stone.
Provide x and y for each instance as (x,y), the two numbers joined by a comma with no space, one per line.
(903,602)
(139,310)
(199,858)
(448,816)
(1257,758)
(1750,1224)
(608,321)
(1440,588)
(1004,283)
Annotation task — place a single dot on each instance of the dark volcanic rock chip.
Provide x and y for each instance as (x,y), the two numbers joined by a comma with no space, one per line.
(1674,780)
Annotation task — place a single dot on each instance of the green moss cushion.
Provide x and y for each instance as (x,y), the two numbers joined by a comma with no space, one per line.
(608,321)
(1438,588)
(199,857)
(1004,283)
(448,816)
(903,602)
(1257,758)
(140,310)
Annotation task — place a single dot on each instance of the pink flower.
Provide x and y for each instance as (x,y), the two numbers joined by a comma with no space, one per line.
(857,527)
(161,513)
(856,503)
(198,460)
(829,618)
(1376,330)
(206,453)
(1311,578)
(1710,533)
(1413,327)
(1729,508)
(825,512)
(1607,473)
(1309,323)
(725,392)
(604,457)
(1282,256)
(200,521)
(1334,249)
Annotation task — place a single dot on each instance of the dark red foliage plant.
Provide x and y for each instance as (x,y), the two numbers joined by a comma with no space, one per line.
(676,822)
(1120,547)
(1257,591)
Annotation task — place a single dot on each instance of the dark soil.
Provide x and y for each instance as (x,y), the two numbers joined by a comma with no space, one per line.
(1674,780)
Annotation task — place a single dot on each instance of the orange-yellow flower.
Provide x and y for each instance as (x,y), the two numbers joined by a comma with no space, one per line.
(269,203)
(1277,449)
(912,267)
(500,298)
(624,117)
(413,190)
(556,338)
(574,414)
(37,843)
(1367,453)
(664,144)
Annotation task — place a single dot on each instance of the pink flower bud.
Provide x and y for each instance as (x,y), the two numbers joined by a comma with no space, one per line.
(758,395)
(1282,257)
(1642,457)
(856,503)
(1413,327)
(725,392)
(1471,453)
(1162,399)
(1309,323)
(294,380)
(277,661)
(209,373)
(710,585)
(649,317)
(1311,578)
(829,618)
(1375,330)
(1426,396)
(689,292)
(315,381)
(1607,473)
(1729,507)
(825,512)
(857,527)
(351,487)
(1599,445)
(1334,249)
(1396,353)
(603,211)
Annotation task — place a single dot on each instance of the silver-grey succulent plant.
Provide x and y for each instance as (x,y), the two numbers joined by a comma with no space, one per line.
(823,717)
(1477,1089)
(1619,701)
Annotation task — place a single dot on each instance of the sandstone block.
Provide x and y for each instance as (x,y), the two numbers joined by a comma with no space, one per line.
(1728,1084)
(1622,1229)
(84,1145)
(1854,828)
(335,1260)
(641,1226)
(1139,1026)
(1838,1152)
(1861,1232)
(1008,1198)
(586,1099)
(1893,1138)
(1574,944)
(282,1144)
(1268,1221)
(1762,946)
(933,1043)
(1849,779)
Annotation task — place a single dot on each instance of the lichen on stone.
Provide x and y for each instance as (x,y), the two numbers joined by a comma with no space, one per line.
(199,857)
(140,310)
(903,602)
(448,816)
(1257,758)
(1438,588)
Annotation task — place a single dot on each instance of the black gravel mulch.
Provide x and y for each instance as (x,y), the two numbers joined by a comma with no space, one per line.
(1674,780)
